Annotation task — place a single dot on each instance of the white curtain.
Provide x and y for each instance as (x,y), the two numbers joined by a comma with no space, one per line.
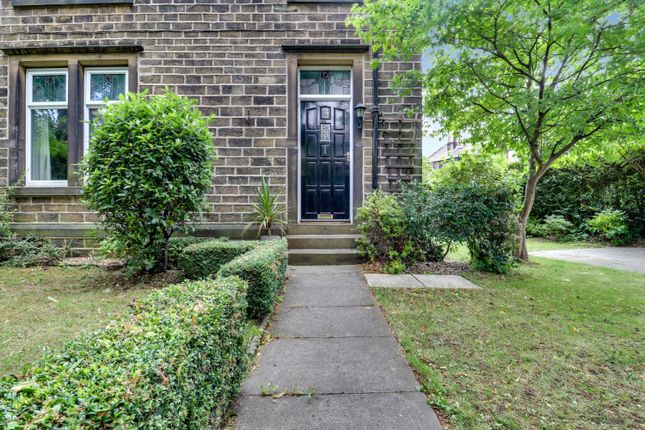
(41,159)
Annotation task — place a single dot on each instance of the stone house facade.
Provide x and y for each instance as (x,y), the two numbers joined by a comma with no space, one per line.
(283,78)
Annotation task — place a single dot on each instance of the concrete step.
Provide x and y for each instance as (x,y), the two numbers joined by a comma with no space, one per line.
(314,227)
(322,241)
(316,257)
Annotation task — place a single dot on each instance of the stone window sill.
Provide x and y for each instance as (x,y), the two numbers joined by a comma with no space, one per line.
(23,3)
(48,191)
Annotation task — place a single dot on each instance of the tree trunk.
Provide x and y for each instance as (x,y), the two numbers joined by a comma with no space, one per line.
(167,237)
(529,197)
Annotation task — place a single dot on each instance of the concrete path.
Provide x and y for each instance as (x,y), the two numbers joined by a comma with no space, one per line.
(631,259)
(331,341)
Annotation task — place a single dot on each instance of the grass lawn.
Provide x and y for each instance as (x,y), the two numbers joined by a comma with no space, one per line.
(41,307)
(460,252)
(536,244)
(554,345)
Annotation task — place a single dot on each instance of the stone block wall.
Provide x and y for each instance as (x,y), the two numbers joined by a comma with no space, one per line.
(226,54)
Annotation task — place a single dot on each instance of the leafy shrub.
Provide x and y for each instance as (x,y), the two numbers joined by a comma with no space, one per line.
(5,213)
(610,225)
(264,269)
(173,361)
(579,191)
(16,251)
(205,258)
(474,200)
(483,217)
(419,218)
(534,229)
(176,246)
(382,228)
(557,227)
(149,164)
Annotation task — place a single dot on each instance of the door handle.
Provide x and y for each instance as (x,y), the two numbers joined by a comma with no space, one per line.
(348,157)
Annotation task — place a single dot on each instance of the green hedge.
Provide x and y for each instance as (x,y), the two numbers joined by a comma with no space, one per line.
(176,246)
(579,192)
(265,270)
(173,361)
(204,259)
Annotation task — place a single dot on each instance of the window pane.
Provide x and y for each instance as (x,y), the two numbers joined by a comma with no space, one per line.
(94,114)
(49,88)
(106,85)
(49,144)
(325,82)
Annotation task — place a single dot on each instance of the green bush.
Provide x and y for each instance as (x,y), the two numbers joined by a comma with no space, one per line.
(557,227)
(483,217)
(148,167)
(204,259)
(176,246)
(172,361)
(610,225)
(474,202)
(264,269)
(419,218)
(382,229)
(16,251)
(579,191)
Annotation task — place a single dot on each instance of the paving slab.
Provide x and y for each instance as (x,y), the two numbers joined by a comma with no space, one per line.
(621,258)
(337,295)
(445,281)
(337,321)
(332,365)
(379,280)
(383,411)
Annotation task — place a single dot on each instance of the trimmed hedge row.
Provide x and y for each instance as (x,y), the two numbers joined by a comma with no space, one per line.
(173,361)
(176,246)
(265,270)
(204,259)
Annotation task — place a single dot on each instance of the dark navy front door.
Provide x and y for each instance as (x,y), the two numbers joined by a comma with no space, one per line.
(325,157)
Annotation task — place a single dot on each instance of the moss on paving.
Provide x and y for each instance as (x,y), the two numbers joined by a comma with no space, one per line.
(554,345)
(41,307)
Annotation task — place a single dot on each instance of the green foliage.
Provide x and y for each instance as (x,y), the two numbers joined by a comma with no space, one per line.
(205,258)
(382,228)
(554,227)
(578,191)
(419,217)
(609,224)
(474,202)
(545,79)
(149,164)
(176,246)
(535,77)
(264,268)
(16,251)
(5,213)
(267,212)
(482,216)
(173,361)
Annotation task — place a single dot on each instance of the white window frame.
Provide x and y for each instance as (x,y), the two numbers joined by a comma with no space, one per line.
(93,104)
(30,104)
(328,97)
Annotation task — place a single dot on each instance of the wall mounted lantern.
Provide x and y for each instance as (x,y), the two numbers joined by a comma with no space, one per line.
(359,112)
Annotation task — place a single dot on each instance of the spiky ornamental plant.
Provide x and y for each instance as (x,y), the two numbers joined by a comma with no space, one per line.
(149,165)
(267,212)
